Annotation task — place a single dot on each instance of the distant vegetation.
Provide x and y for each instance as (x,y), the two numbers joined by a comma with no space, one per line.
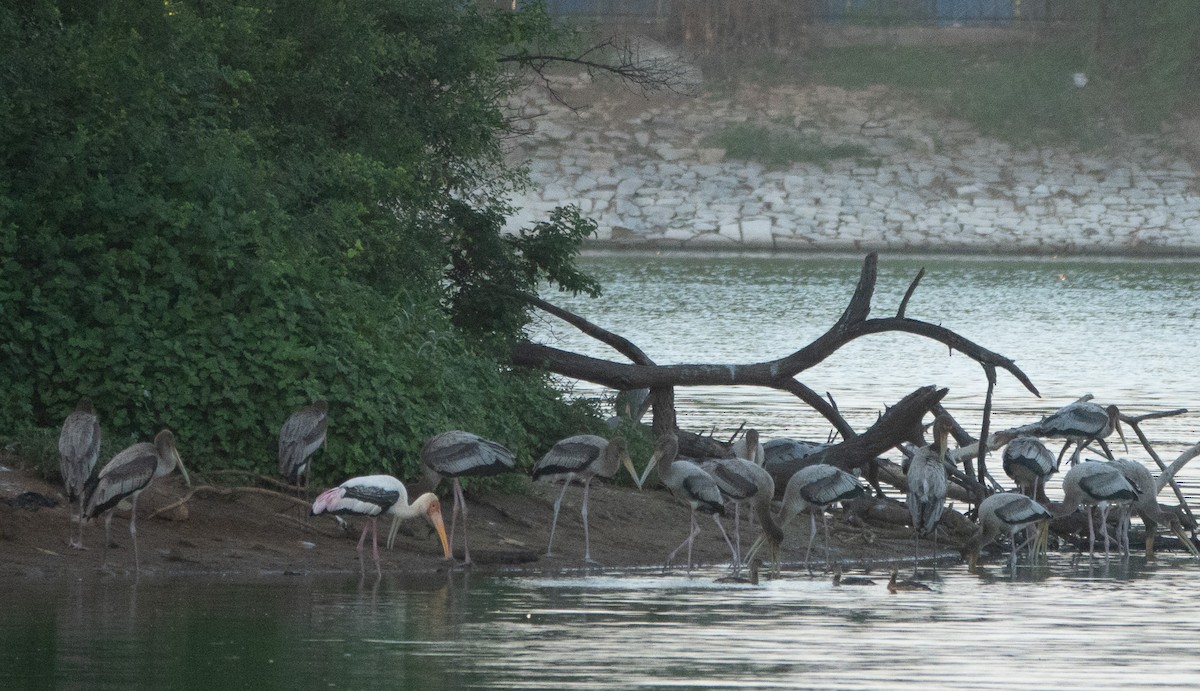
(1140,59)
(778,146)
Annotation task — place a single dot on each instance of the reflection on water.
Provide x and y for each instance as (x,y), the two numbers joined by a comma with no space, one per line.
(1122,331)
(1067,626)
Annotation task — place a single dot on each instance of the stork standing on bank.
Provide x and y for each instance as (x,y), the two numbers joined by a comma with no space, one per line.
(299,439)
(125,476)
(1096,484)
(1080,423)
(376,495)
(1147,506)
(741,481)
(688,484)
(1006,513)
(749,448)
(457,454)
(584,456)
(78,449)
(928,484)
(1028,462)
(811,490)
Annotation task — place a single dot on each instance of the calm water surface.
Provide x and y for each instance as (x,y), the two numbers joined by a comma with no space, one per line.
(1064,627)
(1122,331)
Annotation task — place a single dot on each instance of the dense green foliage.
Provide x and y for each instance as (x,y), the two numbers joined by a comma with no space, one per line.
(214,212)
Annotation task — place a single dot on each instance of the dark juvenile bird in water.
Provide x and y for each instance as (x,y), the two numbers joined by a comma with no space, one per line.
(299,439)
(839,579)
(895,586)
(78,449)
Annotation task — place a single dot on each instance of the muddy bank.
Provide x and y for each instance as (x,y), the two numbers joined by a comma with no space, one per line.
(252,534)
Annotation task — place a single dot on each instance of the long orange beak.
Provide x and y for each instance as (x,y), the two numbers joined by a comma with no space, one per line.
(435,519)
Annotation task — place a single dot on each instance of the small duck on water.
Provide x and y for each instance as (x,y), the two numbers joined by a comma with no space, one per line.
(839,580)
(752,578)
(895,586)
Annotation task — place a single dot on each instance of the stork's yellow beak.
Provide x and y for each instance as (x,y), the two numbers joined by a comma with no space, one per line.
(627,462)
(187,480)
(435,519)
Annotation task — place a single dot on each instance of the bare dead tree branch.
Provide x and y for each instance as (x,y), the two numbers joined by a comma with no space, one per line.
(912,287)
(901,424)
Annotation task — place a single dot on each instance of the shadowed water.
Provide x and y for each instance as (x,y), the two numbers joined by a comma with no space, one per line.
(1062,627)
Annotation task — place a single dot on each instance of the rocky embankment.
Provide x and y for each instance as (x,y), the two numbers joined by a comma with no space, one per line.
(646,169)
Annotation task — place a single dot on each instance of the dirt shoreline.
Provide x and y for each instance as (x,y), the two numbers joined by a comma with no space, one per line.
(252,534)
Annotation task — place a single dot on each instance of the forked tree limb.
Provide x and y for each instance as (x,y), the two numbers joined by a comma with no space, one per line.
(779,374)
(851,325)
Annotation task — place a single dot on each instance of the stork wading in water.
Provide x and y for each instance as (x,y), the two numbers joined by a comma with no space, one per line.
(688,484)
(583,456)
(1101,485)
(811,490)
(299,439)
(1007,513)
(125,476)
(928,484)
(457,454)
(376,495)
(1147,506)
(741,482)
(1080,423)
(1028,462)
(78,449)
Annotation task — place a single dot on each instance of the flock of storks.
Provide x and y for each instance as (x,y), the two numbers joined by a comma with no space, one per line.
(706,486)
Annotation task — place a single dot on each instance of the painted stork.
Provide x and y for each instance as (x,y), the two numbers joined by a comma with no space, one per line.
(895,586)
(785,451)
(1080,423)
(1028,462)
(457,454)
(1147,506)
(928,484)
(1005,513)
(375,495)
(78,449)
(741,481)
(299,439)
(749,448)
(813,490)
(583,456)
(125,476)
(688,484)
(1096,484)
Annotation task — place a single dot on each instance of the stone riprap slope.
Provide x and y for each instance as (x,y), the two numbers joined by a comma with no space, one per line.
(646,170)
